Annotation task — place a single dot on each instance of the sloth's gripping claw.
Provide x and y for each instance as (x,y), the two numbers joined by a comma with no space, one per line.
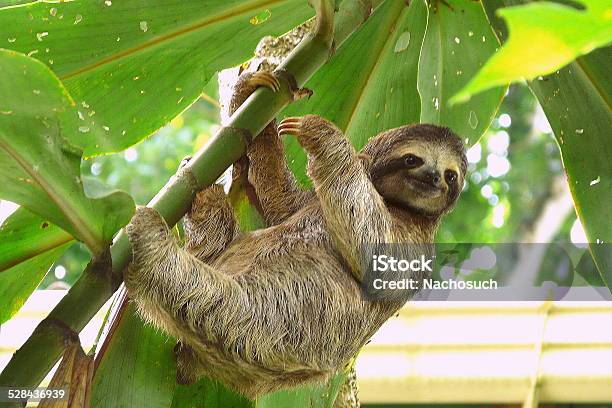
(265,79)
(291,125)
(311,131)
(248,83)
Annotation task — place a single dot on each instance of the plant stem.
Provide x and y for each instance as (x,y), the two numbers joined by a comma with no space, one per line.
(37,356)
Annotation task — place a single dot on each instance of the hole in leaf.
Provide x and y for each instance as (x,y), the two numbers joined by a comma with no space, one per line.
(261,17)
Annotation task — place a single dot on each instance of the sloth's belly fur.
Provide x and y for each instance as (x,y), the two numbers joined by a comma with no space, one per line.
(303,315)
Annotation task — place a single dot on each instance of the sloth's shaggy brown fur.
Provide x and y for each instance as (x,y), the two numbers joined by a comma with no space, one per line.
(273,308)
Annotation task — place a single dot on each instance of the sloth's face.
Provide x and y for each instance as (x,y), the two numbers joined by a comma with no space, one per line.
(423,174)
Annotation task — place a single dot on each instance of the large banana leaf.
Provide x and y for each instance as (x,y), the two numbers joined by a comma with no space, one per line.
(576,100)
(544,37)
(29,245)
(39,169)
(24,236)
(310,395)
(132,68)
(459,40)
(136,368)
(206,393)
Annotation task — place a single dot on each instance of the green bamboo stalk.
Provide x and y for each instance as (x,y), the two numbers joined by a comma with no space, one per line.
(99,281)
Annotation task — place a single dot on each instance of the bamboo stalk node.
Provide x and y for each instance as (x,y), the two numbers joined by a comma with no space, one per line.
(69,334)
(185,173)
(101,265)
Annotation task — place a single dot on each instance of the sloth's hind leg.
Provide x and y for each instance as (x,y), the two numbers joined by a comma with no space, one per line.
(210,225)
(173,289)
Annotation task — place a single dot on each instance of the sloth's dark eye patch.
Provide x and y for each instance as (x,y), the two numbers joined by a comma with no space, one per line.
(450,176)
(412,161)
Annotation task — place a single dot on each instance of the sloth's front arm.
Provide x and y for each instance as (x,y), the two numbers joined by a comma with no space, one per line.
(277,189)
(355,214)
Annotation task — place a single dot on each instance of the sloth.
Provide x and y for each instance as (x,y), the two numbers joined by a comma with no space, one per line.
(281,306)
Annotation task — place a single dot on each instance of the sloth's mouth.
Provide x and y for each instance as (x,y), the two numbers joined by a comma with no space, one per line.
(422,186)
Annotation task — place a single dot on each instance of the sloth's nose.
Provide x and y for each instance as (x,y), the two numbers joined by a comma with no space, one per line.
(433,176)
